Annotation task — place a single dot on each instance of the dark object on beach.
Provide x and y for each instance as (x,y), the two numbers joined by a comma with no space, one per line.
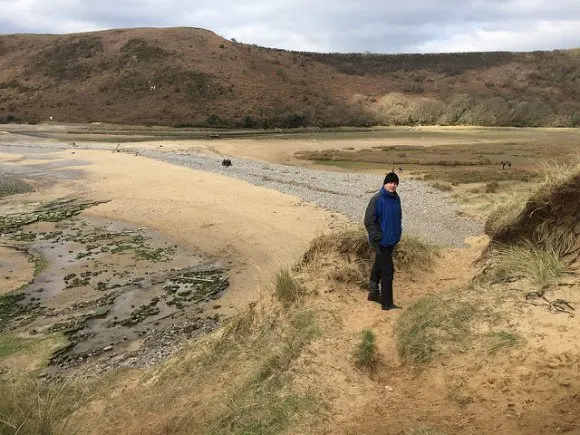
(227,163)
(505,163)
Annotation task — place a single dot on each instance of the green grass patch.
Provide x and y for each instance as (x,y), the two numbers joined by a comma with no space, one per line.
(415,253)
(40,263)
(542,265)
(265,412)
(287,290)
(39,347)
(486,174)
(501,340)
(347,164)
(155,255)
(432,327)
(10,307)
(402,155)
(365,354)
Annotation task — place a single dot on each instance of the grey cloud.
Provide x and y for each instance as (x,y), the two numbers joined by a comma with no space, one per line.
(340,25)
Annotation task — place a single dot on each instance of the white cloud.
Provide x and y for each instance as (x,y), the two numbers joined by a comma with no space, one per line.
(338,25)
(543,35)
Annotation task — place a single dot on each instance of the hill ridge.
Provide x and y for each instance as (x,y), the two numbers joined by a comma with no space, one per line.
(185,77)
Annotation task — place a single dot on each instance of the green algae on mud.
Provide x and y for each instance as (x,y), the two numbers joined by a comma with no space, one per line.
(108,285)
(10,185)
(52,212)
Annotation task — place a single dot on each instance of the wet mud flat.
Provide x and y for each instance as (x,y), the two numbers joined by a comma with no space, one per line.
(123,296)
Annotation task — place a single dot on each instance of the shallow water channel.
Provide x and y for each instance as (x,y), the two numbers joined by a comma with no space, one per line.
(123,295)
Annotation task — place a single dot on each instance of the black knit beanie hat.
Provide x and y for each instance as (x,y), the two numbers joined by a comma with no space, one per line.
(391,178)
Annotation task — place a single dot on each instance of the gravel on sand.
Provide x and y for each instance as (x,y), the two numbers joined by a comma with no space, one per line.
(427,212)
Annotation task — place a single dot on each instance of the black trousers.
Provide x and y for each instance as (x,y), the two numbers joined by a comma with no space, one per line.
(383,271)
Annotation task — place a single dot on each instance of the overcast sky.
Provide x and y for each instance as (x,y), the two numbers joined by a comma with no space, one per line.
(388,26)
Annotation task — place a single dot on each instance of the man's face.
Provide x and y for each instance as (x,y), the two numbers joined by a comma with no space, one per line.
(391,187)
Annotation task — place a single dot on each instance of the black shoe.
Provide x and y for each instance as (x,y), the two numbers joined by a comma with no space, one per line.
(391,307)
(374,297)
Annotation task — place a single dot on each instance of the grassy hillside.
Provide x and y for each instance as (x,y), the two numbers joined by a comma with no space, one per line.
(192,77)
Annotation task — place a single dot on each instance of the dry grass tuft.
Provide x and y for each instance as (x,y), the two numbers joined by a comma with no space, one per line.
(415,253)
(507,212)
(558,173)
(349,273)
(243,372)
(31,406)
(352,244)
(348,257)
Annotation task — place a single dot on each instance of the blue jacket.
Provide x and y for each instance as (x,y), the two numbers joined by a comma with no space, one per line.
(383,219)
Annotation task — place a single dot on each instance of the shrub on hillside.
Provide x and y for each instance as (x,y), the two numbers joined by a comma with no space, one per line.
(8,119)
(568,112)
(249,122)
(67,59)
(395,109)
(530,113)
(427,111)
(492,112)
(337,115)
(140,49)
(215,121)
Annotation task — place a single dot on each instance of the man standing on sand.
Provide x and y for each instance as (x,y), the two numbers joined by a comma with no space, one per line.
(383,221)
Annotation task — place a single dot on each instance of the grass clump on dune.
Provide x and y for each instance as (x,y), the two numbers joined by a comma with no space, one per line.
(287,289)
(31,406)
(415,253)
(510,211)
(507,212)
(501,340)
(534,235)
(366,352)
(542,266)
(348,256)
(433,326)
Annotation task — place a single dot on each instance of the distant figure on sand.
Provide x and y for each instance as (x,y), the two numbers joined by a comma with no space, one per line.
(383,221)
(505,163)
(227,163)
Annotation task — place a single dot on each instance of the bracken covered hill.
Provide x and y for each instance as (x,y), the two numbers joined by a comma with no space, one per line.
(188,76)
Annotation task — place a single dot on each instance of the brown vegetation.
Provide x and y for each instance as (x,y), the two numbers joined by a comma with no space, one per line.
(550,219)
(192,77)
